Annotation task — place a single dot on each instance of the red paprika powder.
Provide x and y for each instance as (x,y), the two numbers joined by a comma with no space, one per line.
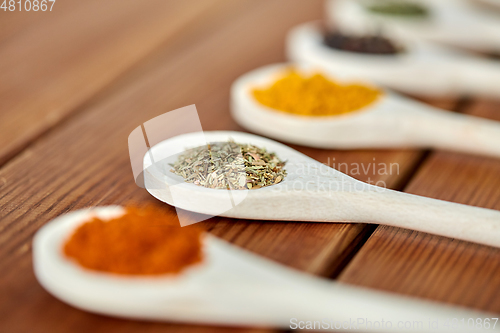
(144,241)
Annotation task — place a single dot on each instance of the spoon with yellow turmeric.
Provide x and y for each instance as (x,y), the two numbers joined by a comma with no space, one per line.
(302,189)
(140,264)
(304,106)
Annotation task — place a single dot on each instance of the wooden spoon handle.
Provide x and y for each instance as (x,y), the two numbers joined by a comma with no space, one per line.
(441,129)
(478,76)
(474,224)
(359,308)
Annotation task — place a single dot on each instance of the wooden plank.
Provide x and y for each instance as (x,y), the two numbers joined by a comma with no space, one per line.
(15,22)
(51,68)
(435,267)
(85,161)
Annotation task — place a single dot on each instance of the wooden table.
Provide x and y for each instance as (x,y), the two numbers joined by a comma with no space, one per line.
(76,81)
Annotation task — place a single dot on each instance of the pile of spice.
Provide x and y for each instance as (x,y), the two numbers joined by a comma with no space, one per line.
(314,95)
(360,44)
(230,165)
(144,241)
(398,8)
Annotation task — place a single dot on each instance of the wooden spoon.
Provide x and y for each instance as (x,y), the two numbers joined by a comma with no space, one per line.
(391,122)
(312,192)
(460,23)
(422,68)
(230,287)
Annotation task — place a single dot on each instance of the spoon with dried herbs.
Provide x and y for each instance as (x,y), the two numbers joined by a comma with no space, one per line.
(228,286)
(309,191)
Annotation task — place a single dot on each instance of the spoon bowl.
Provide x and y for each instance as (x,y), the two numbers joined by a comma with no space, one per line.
(315,192)
(230,287)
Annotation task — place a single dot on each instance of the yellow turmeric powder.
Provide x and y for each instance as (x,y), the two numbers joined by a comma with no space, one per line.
(314,95)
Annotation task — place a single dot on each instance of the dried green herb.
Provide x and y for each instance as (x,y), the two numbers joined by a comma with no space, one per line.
(399,8)
(230,165)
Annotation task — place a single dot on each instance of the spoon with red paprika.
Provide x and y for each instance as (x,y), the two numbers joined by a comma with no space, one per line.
(229,286)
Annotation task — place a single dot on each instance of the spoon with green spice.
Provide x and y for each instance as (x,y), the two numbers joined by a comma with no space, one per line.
(455,22)
(419,68)
(310,191)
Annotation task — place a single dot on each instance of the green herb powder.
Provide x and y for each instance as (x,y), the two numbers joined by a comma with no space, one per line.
(399,8)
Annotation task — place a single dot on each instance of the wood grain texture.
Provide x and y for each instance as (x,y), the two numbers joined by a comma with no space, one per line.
(14,23)
(435,267)
(84,162)
(49,69)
